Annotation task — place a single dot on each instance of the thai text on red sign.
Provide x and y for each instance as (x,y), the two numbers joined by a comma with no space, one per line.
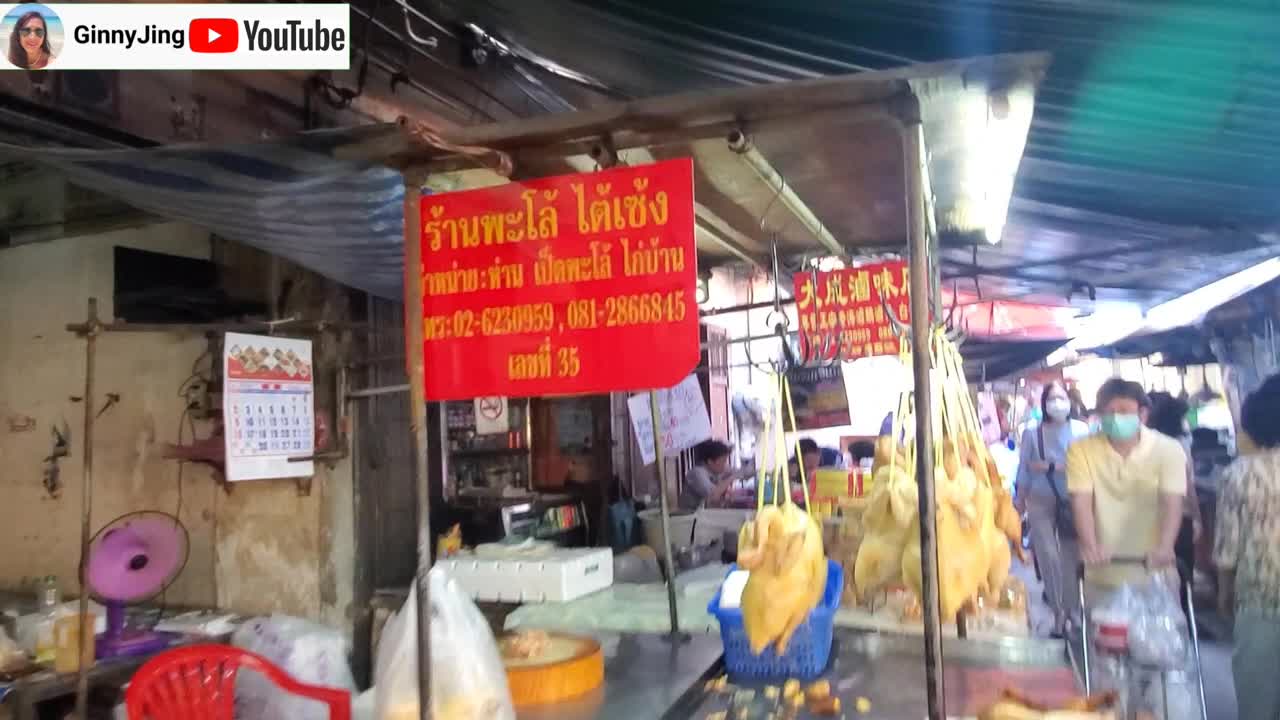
(559,286)
(845,313)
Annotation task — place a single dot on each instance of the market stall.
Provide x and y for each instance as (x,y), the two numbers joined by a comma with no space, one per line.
(586,284)
(885,111)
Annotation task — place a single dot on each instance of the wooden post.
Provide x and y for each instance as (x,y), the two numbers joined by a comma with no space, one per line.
(415,353)
(665,511)
(921,341)
(86,514)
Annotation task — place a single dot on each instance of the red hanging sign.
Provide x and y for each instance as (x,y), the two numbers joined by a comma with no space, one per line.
(843,315)
(565,285)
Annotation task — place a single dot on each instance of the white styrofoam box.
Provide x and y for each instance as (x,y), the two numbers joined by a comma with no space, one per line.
(557,576)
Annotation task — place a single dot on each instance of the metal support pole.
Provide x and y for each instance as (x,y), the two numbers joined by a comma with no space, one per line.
(665,510)
(376,391)
(921,340)
(86,513)
(418,422)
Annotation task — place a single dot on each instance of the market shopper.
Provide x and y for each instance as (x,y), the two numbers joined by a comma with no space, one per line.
(1247,553)
(1041,492)
(1127,487)
(1169,416)
(711,478)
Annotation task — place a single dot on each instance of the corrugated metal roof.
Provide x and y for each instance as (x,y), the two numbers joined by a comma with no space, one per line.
(1151,167)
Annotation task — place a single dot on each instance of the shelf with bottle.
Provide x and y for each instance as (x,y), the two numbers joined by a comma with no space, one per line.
(464,440)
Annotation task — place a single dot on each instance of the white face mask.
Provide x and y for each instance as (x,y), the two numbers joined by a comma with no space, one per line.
(1058,408)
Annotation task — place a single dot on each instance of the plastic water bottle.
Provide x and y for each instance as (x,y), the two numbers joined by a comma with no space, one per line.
(47,593)
(48,598)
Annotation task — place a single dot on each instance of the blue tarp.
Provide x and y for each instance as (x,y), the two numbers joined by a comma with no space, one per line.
(291,198)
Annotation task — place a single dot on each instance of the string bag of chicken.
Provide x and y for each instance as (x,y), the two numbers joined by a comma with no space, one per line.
(974,514)
(781,624)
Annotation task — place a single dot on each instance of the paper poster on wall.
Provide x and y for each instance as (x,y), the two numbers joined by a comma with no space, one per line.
(684,417)
(492,416)
(268,407)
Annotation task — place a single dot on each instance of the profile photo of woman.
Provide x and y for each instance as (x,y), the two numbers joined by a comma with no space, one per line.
(29,46)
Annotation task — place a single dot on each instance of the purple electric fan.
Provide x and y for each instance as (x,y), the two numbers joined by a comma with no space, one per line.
(134,558)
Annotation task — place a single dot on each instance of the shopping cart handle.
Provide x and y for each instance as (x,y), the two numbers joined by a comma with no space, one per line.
(1118,560)
(1128,560)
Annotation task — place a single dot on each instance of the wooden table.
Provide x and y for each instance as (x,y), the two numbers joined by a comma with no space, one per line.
(27,693)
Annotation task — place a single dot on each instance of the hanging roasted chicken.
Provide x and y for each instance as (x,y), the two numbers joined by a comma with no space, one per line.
(782,547)
(974,514)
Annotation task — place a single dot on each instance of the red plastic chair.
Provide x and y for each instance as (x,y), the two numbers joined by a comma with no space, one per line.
(198,682)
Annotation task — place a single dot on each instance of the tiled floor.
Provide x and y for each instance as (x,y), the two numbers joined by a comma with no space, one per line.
(1215,645)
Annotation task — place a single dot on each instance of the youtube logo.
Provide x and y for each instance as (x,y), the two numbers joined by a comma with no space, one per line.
(213,35)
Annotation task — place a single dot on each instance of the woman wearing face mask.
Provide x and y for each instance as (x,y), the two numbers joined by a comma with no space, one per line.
(1041,490)
(1127,486)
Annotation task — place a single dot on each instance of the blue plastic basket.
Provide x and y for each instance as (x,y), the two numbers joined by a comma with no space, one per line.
(808,651)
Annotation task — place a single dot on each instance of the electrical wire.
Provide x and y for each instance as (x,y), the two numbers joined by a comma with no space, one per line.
(195,382)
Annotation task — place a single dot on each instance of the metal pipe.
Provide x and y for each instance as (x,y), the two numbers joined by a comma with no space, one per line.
(418,423)
(292,324)
(713,312)
(741,144)
(665,511)
(86,513)
(1188,589)
(376,391)
(921,337)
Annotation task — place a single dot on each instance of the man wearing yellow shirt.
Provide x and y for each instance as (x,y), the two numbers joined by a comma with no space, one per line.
(1127,485)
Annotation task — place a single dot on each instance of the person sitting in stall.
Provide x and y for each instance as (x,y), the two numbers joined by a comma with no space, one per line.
(710,480)
(1127,487)
(813,457)
(1247,553)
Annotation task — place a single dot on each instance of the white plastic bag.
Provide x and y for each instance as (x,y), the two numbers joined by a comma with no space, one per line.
(311,653)
(468,679)
(1158,635)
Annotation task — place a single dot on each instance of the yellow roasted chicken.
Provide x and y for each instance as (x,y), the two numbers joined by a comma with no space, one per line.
(782,547)
(976,520)
(888,518)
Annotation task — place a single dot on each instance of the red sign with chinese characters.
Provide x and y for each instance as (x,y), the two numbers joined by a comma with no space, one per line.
(843,315)
(561,286)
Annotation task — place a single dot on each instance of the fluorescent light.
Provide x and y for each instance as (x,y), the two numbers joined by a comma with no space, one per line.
(1192,307)
(1113,322)
(997,124)
(1110,321)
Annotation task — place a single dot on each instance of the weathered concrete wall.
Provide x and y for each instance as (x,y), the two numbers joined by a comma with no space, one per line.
(42,366)
(259,549)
